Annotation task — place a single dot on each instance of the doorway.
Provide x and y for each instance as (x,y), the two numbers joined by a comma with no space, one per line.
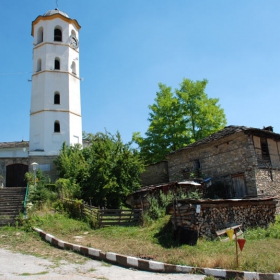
(15,175)
(239,187)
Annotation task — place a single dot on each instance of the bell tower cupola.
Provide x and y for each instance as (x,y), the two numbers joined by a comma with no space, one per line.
(55,112)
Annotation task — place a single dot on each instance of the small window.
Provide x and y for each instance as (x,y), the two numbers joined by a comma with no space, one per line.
(56,98)
(196,164)
(39,65)
(57,35)
(56,126)
(264,148)
(73,66)
(57,64)
(40,36)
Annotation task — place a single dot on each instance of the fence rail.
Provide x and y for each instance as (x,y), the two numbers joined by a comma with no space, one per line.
(109,217)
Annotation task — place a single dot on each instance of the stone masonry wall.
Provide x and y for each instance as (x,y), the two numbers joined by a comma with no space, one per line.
(46,165)
(232,154)
(215,215)
(268,183)
(155,174)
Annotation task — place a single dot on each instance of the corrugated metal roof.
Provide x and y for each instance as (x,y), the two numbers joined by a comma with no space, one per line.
(153,187)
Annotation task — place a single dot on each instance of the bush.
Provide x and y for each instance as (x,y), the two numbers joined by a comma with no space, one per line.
(157,206)
(67,189)
(74,208)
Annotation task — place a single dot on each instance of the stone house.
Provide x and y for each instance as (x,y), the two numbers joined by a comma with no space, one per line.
(241,161)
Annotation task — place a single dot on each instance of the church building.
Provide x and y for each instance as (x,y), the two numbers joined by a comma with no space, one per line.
(55,109)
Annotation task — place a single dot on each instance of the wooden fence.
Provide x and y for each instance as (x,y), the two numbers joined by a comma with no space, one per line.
(109,217)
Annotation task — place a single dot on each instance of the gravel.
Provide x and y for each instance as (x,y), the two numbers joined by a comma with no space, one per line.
(19,266)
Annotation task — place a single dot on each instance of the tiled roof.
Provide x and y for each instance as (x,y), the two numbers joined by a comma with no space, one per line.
(21,144)
(228,130)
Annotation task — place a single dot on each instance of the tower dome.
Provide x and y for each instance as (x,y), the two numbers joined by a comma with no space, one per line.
(55,11)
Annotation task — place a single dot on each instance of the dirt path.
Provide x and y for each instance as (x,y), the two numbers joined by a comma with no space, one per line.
(14,266)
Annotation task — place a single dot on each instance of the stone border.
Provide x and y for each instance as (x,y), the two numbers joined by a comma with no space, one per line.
(154,266)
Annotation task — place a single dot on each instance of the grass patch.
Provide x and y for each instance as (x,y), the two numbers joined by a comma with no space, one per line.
(30,274)
(19,240)
(153,242)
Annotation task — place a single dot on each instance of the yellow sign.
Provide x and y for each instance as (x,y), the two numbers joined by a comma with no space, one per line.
(230,233)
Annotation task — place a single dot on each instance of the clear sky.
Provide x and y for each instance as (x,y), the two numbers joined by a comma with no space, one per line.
(128,46)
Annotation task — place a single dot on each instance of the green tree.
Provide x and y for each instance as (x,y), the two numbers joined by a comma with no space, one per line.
(203,115)
(71,164)
(107,169)
(167,130)
(178,119)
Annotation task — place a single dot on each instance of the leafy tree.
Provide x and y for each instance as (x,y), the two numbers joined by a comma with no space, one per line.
(167,130)
(203,115)
(178,119)
(71,164)
(107,170)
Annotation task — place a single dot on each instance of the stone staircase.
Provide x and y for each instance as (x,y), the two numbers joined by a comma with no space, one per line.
(11,204)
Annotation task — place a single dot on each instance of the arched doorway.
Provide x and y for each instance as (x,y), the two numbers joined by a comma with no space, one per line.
(15,175)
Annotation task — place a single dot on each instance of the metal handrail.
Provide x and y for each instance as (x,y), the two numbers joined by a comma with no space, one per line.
(25,201)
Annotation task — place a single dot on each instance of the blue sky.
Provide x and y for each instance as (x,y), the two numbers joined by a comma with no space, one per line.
(128,46)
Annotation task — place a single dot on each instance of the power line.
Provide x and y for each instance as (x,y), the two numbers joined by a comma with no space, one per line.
(14,73)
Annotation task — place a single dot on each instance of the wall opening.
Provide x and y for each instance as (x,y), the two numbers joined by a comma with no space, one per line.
(56,98)
(56,126)
(57,34)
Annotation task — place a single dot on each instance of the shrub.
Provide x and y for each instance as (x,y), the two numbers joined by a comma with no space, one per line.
(67,189)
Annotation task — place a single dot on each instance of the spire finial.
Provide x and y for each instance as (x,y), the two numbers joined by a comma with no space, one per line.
(56,4)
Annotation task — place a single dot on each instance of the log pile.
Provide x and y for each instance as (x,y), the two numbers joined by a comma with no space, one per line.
(208,216)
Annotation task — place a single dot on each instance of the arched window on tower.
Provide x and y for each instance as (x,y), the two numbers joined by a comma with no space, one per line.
(39,65)
(57,34)
(56,98)
(40,35)
(73,32)
(56,126)
(57,64)
(73,66)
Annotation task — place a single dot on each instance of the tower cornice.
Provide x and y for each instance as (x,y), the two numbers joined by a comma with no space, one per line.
(51,17)
(51,110)
(53,43)
(56,71)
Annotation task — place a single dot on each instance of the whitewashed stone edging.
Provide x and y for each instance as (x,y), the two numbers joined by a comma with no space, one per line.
(149,265)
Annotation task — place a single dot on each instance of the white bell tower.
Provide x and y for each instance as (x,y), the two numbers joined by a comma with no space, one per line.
(55,113)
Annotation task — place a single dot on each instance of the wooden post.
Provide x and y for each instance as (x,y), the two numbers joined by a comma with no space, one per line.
(236,247)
